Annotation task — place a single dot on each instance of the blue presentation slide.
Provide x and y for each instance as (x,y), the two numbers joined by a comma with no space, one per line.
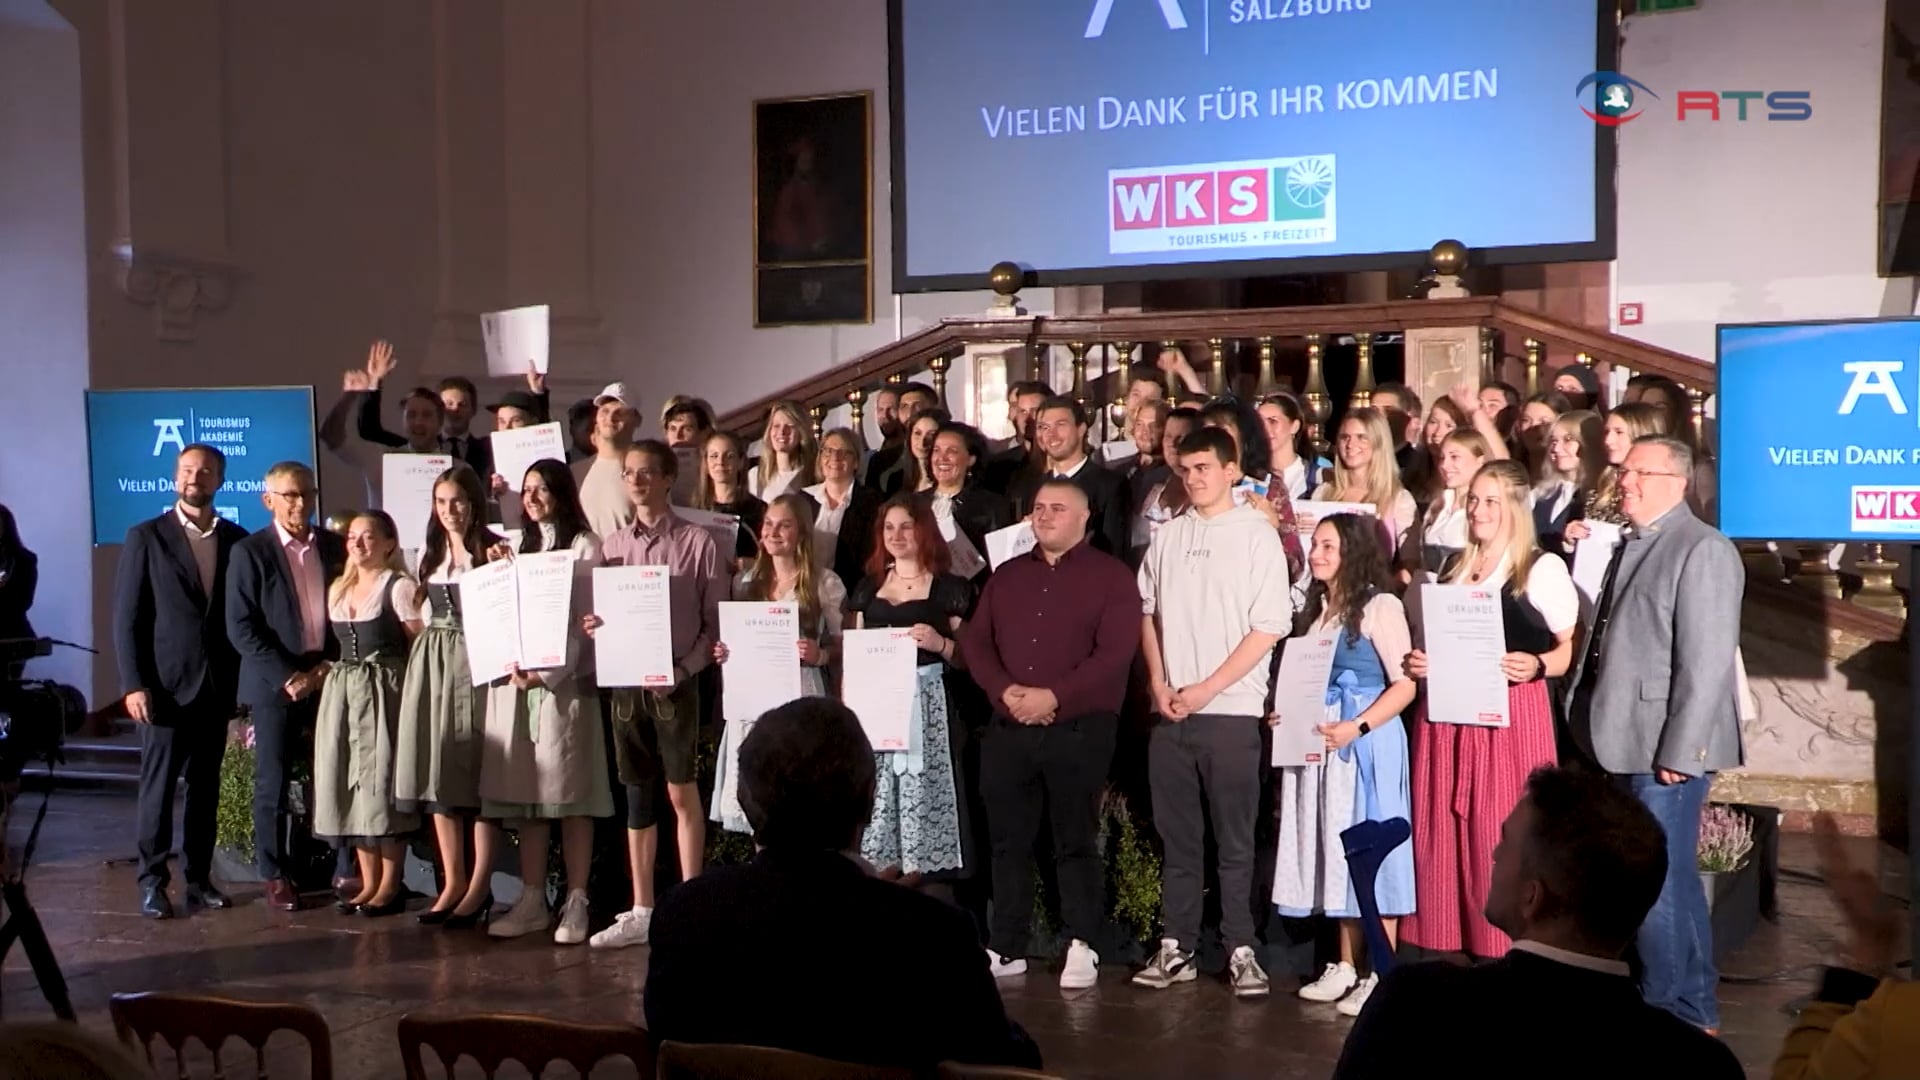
(1077,135)
(1820,431)
(134,437)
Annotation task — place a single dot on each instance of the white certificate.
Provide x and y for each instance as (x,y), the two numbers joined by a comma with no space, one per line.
(1005,545)
(634,644)
(724,528)
(545,584)
(686,476)
(516,449)
(762,671)
(406,493)
(1300,697)
(1465,640)
(515,339)
(1590,559)
(1118,450)
(879,682)
(965,557)
(1308,513)
(490,618)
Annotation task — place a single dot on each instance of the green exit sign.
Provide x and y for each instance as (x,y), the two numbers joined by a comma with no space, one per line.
(1648,7)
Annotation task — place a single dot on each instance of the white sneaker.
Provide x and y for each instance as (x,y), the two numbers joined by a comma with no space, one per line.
(1249,979)
(1083,967)
(1005,967)
(1332,985)
(1357,1000)
(529,916)
(573,919)
(629,928)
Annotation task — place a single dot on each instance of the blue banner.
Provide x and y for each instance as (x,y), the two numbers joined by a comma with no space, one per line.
(1078,137)
(134,437)
(1820,431)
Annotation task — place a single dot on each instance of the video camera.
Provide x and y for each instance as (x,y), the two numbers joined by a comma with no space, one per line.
(36,715)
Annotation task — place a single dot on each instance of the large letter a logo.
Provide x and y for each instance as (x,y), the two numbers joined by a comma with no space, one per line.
(1169,10)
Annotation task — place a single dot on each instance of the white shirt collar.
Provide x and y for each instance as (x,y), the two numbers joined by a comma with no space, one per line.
(1574,959)
(180,511)
(1069,473)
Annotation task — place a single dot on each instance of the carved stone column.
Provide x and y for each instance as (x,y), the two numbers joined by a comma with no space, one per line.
(1441,358)
(167,103)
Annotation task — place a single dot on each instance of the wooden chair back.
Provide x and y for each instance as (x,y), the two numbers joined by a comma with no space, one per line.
(953,1070)
(684,1061)
(177,1019)
(493,1039)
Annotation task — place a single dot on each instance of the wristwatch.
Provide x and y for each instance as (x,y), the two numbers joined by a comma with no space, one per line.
(1365,727)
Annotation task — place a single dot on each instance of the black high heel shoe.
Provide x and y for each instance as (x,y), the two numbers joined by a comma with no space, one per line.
(431,917)
(478,917)
(394,906)
(345,907)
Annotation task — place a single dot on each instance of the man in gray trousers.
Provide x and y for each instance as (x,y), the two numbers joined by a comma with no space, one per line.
(1654,701)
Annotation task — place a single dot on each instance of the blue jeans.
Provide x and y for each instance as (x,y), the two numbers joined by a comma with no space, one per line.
(1675,943)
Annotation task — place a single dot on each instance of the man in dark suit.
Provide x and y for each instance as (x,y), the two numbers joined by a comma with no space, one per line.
(1579,863)
(459,400)
(277,621)
(1010,463)
(177,672)
(1060,427)
(807,786)
(889,467)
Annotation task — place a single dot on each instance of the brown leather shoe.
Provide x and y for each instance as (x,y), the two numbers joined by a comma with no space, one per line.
(281,894)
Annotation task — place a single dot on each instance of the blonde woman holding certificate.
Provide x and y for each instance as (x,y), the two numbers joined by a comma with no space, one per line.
(1466,777)
(785,571)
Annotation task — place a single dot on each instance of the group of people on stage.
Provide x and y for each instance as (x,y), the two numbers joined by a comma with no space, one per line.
(1136,642)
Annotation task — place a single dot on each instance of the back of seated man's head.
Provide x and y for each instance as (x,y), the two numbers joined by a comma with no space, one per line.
(807,777)
(1579,864)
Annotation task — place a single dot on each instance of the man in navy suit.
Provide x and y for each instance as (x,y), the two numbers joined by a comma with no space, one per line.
(277,621)
(177,672)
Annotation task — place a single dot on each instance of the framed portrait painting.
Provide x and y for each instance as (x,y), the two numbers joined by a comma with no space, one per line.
(813,210)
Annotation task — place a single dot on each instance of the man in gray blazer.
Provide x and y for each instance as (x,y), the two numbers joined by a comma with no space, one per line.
(1654,700)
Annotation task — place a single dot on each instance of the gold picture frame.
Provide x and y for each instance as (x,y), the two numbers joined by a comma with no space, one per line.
(813,210)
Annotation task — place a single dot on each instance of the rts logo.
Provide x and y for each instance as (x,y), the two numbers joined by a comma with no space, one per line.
(1103,10)
(1614,101)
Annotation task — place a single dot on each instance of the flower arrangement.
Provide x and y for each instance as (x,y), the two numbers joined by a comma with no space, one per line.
(233,818)
(1726,839)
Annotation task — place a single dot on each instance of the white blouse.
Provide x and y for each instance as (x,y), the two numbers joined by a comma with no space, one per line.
(1384,623)
(406,601)
(1404,512)
(1447,522)
(1550,590)
(781,483)
(833,603)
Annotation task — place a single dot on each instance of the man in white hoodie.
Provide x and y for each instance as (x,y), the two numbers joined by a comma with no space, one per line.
(1215,594)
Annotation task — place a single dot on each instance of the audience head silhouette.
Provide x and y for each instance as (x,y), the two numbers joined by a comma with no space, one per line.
(1579,864)
(807,777)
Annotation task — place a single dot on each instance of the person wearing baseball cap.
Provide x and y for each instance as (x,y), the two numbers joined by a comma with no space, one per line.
(603,494)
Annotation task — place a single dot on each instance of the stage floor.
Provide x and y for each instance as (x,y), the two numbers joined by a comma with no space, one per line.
(363,976)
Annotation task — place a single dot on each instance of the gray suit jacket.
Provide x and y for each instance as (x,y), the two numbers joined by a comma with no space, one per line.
(1665,694)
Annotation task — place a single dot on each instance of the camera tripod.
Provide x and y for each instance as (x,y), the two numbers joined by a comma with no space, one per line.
(22,922)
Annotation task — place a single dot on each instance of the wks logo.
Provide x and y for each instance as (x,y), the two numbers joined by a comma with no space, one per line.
(1103,10)
(1234,204)
(1886,509)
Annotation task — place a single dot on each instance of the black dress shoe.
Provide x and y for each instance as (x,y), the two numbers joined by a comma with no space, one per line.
(479,916)
(430,917)
(395,906)
(154,903)
(206,896)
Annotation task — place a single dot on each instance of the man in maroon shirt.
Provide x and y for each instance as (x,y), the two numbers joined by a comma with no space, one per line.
(1051,643)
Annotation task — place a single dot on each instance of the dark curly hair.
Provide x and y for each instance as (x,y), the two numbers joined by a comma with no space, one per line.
(1362,575)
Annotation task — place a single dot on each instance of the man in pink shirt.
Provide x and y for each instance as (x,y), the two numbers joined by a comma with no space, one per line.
(277,622)
(656,731)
